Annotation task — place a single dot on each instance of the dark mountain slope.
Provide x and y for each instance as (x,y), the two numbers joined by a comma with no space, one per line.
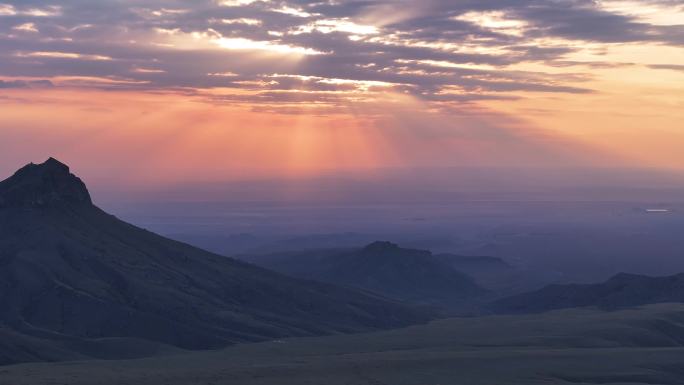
(621,291)
(495,274)
(306,263)
(70,273)
(381,267)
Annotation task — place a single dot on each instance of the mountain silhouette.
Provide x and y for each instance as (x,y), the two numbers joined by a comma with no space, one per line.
(43,185)
(78,282)
(410,275)
(621,291)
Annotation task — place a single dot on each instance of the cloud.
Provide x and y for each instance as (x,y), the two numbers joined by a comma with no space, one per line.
(4,84)
(673,67)
(440,51)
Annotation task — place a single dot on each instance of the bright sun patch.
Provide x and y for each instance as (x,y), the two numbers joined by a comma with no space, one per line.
(496,21)
(645,11)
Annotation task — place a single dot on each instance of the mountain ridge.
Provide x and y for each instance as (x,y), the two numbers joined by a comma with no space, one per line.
(411,275)
(47,184)
(622,290)
(72,274)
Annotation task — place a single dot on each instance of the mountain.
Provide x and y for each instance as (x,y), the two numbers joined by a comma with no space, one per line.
(80,281)
(315,242)
(474,264)
(410,275)
(621,291)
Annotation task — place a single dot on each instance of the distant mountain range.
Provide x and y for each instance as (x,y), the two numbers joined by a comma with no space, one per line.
(77,282)
(620,291)
(415,276)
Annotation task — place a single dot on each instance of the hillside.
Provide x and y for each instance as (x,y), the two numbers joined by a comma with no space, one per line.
(620,291)
(76,281)
(410,275)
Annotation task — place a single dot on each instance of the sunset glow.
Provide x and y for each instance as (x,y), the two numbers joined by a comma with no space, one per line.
(226,90)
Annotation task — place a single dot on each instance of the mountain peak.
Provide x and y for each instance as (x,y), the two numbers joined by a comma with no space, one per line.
(52,162)
(625,277)
(381,246)
(46,184)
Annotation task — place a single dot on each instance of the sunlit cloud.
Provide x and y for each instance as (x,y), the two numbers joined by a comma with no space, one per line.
(448,64)
(247,44)
(47,11)
(62,55)
(242,20)
(236,3)
(292,11)
(212,39)
(142,70)
(497,21)
(226,74)
(646,11)
(358,85)
(39,12)
(337,25)
(158,13)
(26,27)
(7,10)
(293,54)
(237,87)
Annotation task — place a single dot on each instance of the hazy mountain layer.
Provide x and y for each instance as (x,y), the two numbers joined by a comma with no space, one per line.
(381,267)
(622,290)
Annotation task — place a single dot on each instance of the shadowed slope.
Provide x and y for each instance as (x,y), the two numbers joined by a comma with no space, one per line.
(69,273)
(381,267)
(622,290)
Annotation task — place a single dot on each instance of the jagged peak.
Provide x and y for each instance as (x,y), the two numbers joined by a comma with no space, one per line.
(52,162)
(46,184)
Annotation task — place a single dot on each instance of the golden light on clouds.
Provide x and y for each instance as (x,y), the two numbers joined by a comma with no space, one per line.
(247,44)
(62,55)
(648,12)
(211,39)
(497,21)
(239,88)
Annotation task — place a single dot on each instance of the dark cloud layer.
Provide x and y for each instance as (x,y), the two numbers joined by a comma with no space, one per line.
(25,84)
(327,52)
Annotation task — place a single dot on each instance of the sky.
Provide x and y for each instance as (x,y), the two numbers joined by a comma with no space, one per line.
(156,93)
